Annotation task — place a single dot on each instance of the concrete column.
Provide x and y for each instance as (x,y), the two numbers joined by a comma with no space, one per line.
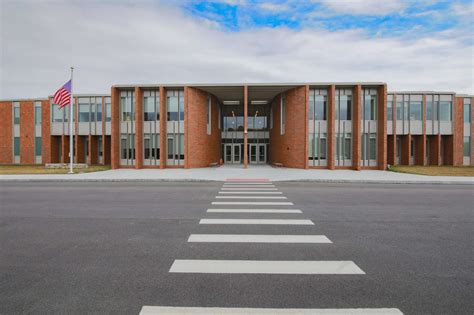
(163,124)
(115,128)
(138,128)
(382,128)
(331,143)
(246,158)
(356,123)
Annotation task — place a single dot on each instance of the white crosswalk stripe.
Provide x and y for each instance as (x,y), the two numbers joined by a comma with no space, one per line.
(258,238)
(266,267)
(252,192)
(249,189)
(250,197)
(174,310)
(257,221)
(254,203)
(254,210)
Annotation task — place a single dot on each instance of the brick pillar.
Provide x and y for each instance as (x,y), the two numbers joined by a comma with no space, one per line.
(65,149)
(420,147)
(406,150)
(163,123)
(391,153)
(356,123)
(458,132)
(105,153)
(382,128)
(138,128)
(306,145)
(79,154)
(331,128)
(115,128)
(46,132)
(246,157)
(94,150)
(435,150)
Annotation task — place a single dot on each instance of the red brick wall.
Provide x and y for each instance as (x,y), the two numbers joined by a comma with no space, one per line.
(458,131)
(406,149)
(80,154)
(55,145)
(331,140)
(290,148)
(6,133)
(420,147)
(472,131)
(138,128)
(356,127)
(382,128)
(435,149)
(115,128)
(391,149)
(163,154)
(202,149)
(93,150)
(27,132)
(46,131)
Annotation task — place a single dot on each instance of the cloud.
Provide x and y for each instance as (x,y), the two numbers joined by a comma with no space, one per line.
(363,7)
(274,7)
(155,43)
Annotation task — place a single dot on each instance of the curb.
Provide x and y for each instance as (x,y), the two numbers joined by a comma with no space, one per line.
(333,181)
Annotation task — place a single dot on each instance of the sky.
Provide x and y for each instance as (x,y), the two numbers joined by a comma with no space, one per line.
(411,45)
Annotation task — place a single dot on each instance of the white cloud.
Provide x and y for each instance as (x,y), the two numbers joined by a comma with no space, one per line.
(274,7)
(364,7)
(113,44)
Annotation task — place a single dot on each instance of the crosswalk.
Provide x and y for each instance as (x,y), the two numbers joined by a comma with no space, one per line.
(254,197)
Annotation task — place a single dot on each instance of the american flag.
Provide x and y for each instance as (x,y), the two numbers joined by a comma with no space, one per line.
(63,95)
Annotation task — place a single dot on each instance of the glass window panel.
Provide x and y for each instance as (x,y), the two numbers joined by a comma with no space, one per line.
(16,146)
(467,146)
(147,148)
(389,110)
(99,110)
(399,110)
(37,115)
(323,148)
(415,111)
(347,148)
(311,104)
(149,108)
(173,107)
(123,145)
(108,112)
(467,113)
(320,107)
(310,144)
(405,110)
(429,110)
(16,115)
(445,111)
(84,114)
(38,146)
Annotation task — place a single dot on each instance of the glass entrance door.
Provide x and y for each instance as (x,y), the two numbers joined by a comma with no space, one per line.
(257,153)
(232,153)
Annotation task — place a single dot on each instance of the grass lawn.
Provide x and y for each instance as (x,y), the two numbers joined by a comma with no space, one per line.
(434,170)
(40,169)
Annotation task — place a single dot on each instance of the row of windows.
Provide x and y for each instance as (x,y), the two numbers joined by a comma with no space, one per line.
(16,113)
(343,104)
(410,107)
(90,110)
(38,146)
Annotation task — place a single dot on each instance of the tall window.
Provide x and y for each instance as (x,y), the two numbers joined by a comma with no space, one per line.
(415,110)
(16,115)
(57,114)
(445,110)
(467,146)
(98,105)
(429,107)
(467,110)
(370,106)
(318,104)
(175,105)
(151,105)
(108,109)
(282,114)
(127,105)
(343,107)
(37,113)
(16,146)
(399,109)
(38,146)
(84,110)
(390,110)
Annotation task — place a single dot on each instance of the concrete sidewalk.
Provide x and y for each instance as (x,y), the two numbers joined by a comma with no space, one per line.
(227,172)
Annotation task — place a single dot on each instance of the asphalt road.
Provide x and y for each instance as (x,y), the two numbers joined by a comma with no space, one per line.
(108,247)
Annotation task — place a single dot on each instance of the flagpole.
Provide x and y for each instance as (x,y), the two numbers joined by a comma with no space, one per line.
(71,130)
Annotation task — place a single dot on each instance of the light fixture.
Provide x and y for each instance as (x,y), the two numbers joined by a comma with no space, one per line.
(257,102)
(231,102)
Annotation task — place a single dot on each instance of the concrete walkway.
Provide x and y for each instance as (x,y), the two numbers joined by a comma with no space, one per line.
(253,172)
